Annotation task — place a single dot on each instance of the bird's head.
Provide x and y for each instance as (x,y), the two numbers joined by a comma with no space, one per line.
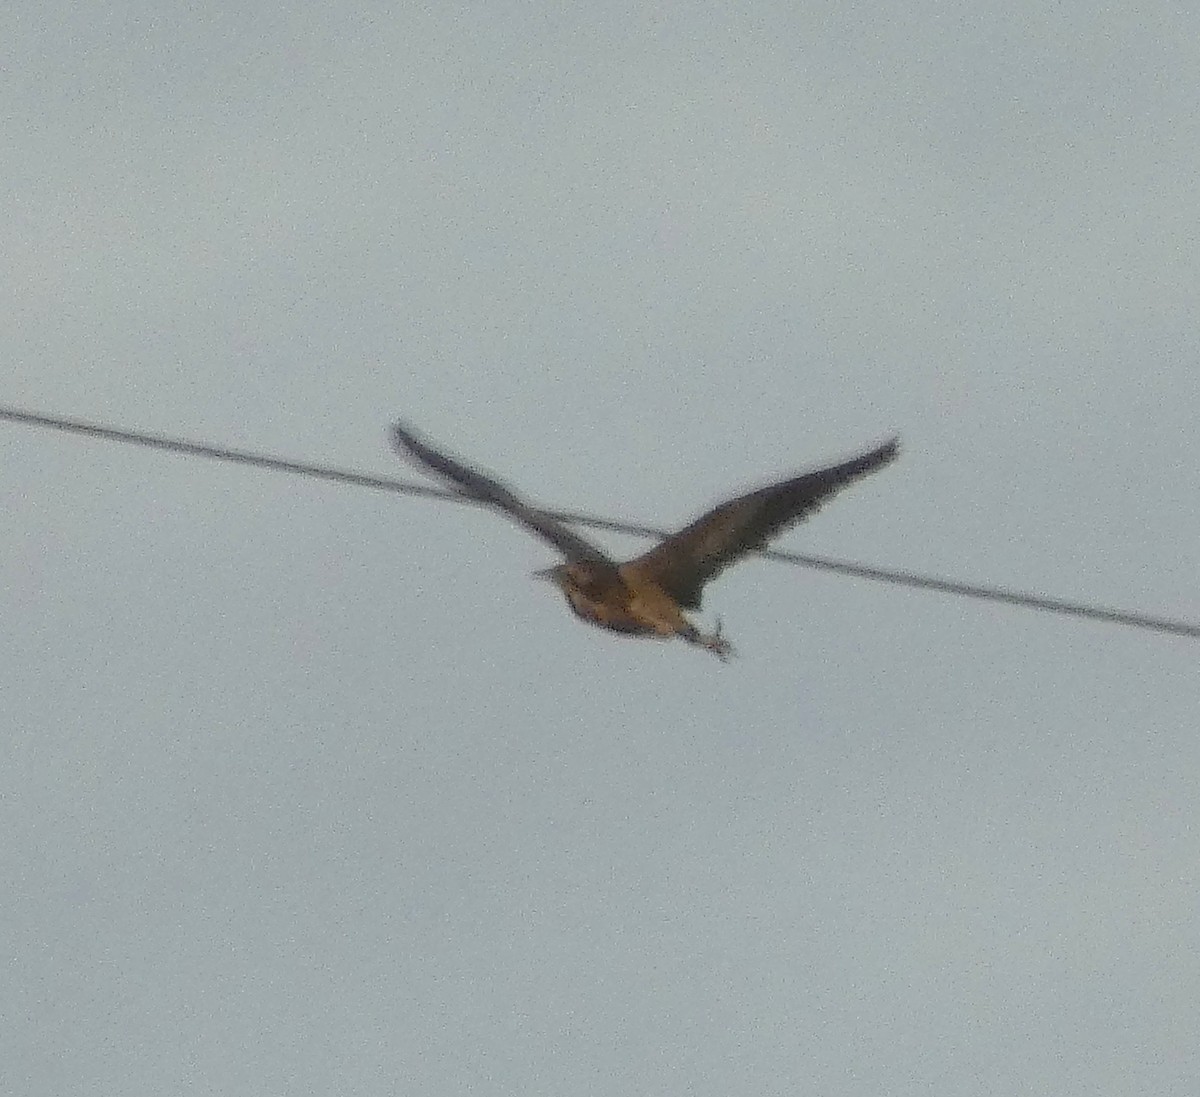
(558,575)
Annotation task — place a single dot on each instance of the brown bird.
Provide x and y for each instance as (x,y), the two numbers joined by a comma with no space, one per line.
(646,596)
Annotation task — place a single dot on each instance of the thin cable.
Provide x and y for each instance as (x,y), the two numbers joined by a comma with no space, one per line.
(406,487)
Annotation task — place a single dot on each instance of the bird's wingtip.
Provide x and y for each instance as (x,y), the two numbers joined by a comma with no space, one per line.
(403,437)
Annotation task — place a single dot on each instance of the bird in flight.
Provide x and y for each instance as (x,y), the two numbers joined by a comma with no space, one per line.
(646,596)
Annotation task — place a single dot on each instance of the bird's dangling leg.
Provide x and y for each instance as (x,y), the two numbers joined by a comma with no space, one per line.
(711,641)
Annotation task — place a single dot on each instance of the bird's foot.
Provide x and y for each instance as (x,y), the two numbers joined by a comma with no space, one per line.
(717,644)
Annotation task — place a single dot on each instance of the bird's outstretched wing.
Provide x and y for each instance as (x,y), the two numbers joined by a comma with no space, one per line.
(686,560)
(474,483)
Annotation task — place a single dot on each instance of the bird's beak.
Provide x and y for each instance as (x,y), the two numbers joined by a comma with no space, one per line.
(545,573)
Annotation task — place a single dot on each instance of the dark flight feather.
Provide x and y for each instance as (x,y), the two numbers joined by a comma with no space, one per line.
(488,490)
(686,560)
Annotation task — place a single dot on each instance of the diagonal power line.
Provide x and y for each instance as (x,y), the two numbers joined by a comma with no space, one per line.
(406,487)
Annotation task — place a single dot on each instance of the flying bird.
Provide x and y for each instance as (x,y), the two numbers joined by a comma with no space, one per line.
(646,596)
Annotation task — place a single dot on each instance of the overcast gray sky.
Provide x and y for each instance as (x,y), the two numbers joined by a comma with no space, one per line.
(308,789)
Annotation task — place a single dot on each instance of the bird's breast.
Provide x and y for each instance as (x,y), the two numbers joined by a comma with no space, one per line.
(611,613)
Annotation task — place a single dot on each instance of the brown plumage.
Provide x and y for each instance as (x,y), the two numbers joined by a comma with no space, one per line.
(646,596)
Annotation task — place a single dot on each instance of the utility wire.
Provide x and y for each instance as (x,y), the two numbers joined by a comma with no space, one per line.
(405,487)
